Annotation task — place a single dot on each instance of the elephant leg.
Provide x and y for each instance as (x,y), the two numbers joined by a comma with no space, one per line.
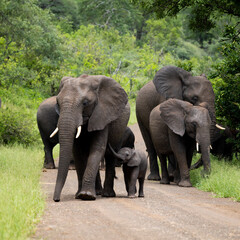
(154,169)
(126,180)
(180,153)
(141,183)
(98,184)
(171,167)
(48,160)
(176,175)
(98,143)
(165,176)
(109,176)
(80,164)
(190,149)
(132,182)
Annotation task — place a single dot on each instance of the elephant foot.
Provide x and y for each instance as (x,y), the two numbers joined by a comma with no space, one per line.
(176,177)
(85,195)
(49,165)
(99,191)
(141,195)
(184,183)
(171,178)
(153,177)
(108,193)
(164,181)
(176,180)
(132,196)
(205,173)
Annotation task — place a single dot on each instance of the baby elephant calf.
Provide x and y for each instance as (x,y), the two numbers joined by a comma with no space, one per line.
(134,167)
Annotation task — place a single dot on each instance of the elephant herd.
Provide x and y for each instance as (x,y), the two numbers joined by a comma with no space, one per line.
(89,117)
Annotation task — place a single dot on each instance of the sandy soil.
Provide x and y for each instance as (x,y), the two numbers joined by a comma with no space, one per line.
(166,212)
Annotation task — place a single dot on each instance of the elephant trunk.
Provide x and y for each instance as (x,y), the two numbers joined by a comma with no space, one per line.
(67,133)
(119,156)
(204,141)
(205,150)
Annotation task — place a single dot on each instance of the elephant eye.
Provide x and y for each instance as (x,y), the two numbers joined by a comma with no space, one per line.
(85,102)
(194,99)
(194,124)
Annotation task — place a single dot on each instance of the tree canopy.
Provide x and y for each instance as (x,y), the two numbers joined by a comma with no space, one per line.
(203,13)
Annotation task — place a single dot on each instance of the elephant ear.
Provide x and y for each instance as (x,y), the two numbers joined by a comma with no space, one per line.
(112,100)
(173,113)
(134,160)
(170,81)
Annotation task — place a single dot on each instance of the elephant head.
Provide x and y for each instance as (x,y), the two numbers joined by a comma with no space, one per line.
(89,101)
(174,82)
(127,156)
(183,117)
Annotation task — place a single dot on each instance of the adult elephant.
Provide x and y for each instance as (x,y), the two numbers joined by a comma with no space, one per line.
(175,127)
(171,82)
(47,119)
(93,111)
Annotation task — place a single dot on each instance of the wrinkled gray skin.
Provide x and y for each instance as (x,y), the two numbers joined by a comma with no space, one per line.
(47,119)
(171,82)
(134,167)
(220,147)
(175,127)
(100,106)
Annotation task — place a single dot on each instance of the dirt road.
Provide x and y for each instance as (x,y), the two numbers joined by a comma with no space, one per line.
(166,212)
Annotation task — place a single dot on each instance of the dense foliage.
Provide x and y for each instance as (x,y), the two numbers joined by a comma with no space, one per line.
(203,14)
(41,41)
(227,82)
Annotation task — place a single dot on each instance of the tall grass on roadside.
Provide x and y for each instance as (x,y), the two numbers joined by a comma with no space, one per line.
(224,180)
(132,119)
(21,200)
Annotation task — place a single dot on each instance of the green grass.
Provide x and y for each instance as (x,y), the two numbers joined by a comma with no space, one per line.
(224,180)
(133,118)
(21,200)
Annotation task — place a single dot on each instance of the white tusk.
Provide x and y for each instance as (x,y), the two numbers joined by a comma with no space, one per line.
(54,132)
(78,132)
(197,146)
(210,146)
(218,126)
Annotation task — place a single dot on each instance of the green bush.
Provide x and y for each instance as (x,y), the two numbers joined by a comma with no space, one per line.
(226,80)
(16,127)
